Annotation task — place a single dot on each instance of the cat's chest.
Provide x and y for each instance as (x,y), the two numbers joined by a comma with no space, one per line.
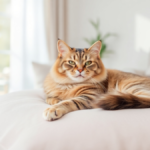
(65,91)
(65,87)
(68,91)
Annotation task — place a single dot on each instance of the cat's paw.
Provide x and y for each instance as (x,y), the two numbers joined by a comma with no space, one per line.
(53,113)
(52,101)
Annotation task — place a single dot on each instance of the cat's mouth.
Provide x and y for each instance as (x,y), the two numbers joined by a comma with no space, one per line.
(80,76)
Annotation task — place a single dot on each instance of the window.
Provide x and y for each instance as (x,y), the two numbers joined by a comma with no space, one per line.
(4,45)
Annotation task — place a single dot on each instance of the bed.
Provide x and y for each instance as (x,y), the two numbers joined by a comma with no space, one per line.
(23,128)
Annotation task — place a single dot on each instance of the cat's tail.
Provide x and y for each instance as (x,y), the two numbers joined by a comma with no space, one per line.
(123,101)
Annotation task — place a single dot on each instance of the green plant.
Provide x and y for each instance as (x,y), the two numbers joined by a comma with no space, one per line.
(99,37)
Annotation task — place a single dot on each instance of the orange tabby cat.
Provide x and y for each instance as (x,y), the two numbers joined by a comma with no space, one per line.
(78,80)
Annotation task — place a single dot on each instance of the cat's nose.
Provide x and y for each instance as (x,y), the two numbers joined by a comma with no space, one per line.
(80,70)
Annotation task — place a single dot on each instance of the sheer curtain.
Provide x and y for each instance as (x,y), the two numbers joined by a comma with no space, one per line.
(56,24)
(35,28)
(28,41)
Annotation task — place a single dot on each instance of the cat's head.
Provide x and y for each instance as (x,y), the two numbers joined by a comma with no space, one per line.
(75,65)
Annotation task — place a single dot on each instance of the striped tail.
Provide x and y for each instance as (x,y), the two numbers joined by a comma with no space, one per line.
(123,101)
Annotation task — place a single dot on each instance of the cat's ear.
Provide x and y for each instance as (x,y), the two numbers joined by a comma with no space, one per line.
(62,47)
(96,48)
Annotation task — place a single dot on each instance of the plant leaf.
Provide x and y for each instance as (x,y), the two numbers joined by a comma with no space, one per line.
(108,35)
(93,24)
(97,25)
(107,53)
(87,40)
(93,41)
(98,36)
(103,49)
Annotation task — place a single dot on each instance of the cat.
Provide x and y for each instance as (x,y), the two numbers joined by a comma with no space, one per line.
(79,80)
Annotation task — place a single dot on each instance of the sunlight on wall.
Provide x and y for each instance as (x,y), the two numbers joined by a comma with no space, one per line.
(142,33)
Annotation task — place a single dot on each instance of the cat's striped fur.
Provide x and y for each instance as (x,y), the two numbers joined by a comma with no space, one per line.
(78,86)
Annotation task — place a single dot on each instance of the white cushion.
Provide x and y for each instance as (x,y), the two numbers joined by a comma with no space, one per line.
(40,72)
(23,128)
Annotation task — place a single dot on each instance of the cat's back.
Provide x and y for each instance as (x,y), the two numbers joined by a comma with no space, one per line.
(119,77)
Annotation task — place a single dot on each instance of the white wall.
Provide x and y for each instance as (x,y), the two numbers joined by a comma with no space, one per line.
(116,16)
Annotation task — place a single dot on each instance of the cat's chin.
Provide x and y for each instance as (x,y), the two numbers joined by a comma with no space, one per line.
(78,79)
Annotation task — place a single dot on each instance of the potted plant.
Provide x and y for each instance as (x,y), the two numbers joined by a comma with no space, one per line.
(99,37)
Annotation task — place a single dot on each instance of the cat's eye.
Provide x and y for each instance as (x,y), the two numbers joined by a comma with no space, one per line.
(71,62)
(88,63)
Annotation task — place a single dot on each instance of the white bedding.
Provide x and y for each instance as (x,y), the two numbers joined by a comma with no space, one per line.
(23,128)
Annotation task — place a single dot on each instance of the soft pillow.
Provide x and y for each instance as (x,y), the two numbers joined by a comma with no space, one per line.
(22,126)
(40,72)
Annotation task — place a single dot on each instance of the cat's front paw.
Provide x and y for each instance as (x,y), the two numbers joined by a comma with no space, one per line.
(53,113)
(52,101)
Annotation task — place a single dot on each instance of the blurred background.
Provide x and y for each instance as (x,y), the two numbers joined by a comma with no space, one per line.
(29,30)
